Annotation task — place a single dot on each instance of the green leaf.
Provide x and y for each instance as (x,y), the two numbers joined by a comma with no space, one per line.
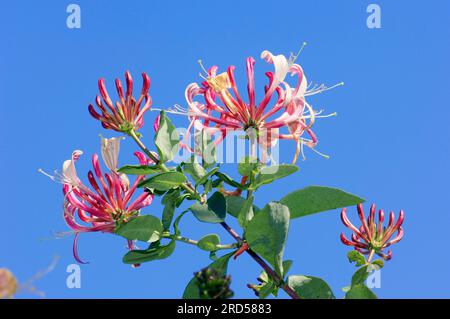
(360,276)
(234,205)
(221,265)
(152,253)
(268,174)
(287,264)
(267,285)
(214,211)
(194,169)
(360,291)
(164,181)
(181,198)
(209,242)
(355,256)
(378,263)
(267,232)
(248,165)
(203,180)
(167,139)
(155,251)
(205,146)
(144,228)
(169,201)
(139,169)
(246,212)
(315,199)
(177,222)
(309,287)
(213,255)
(266,289)
(208,186)
(227,179)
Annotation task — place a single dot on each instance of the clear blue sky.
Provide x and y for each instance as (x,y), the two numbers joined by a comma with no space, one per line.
(389,143)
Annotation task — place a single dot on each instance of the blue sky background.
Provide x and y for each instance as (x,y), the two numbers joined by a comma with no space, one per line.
(389,143)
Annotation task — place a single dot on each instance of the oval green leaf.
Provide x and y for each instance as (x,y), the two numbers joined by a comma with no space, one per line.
(144,228)
(164,181)
(360,291)
(139,169)
(214,211)
(167,139)
(267,232)
(268,174)
(309,287)
(316,199)
(209,242)
(152,253)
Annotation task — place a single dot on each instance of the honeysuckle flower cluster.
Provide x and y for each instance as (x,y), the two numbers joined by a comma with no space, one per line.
(223,109)
(372,236)
(108,202)
(109,199)
(127,113)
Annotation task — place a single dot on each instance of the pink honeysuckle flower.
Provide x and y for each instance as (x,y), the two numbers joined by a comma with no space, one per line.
(109,200)
(372,237)
(127,113)
(222,108)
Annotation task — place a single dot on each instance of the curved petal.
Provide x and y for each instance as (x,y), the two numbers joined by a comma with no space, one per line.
(69,172)
(110,148)
(75,250)
(280,63)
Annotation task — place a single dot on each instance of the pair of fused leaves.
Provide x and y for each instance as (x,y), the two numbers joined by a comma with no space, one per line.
(149,229)
(267,286)
(260,174)
(358,288)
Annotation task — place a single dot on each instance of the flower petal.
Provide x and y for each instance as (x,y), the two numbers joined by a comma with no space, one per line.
(110,151)
(280,62)
(69,172)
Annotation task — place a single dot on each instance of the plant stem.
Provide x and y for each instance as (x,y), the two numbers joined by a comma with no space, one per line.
(369,258)
(185,186)
(278,281)
(195,242)
(138,141)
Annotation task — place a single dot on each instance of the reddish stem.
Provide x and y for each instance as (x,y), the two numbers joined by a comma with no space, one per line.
(278,281)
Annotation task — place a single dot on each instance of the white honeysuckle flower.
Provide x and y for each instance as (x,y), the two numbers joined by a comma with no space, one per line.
(280,63)
(69,173)
(302,88)
(110,148)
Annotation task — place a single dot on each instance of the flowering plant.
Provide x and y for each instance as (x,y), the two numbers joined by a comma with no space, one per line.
(111,203)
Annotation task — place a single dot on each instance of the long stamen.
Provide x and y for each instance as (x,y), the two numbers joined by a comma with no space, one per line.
(53,178)
(293,56)
(322,88)
(200,62)
(321,154)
